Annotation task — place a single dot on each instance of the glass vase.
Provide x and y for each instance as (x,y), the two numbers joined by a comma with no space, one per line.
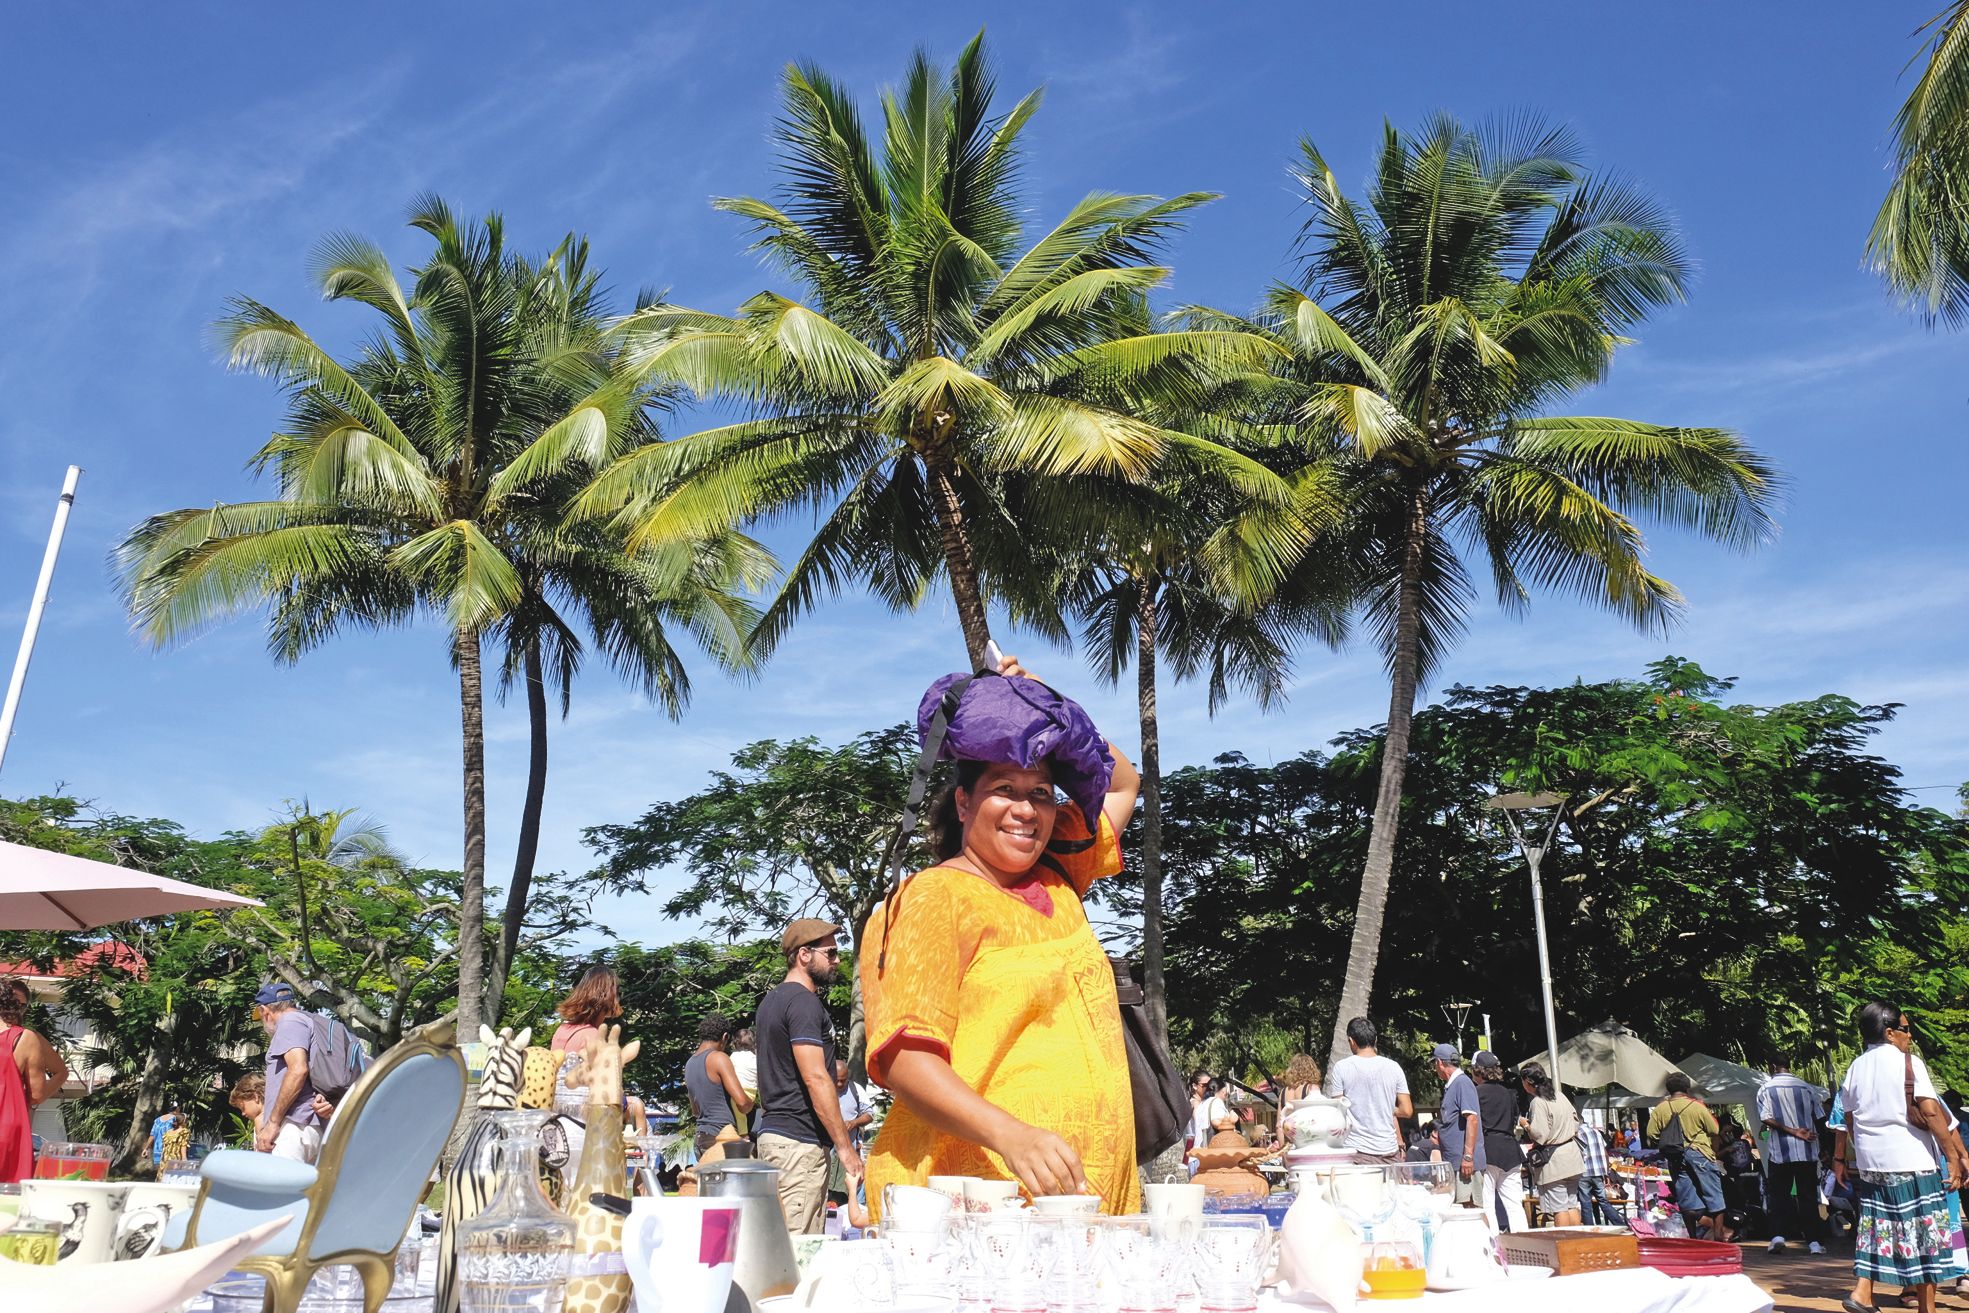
(514,1256)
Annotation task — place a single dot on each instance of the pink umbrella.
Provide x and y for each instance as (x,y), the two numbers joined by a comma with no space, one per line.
(42,890)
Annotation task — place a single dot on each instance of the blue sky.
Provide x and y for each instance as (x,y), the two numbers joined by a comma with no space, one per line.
(180,154)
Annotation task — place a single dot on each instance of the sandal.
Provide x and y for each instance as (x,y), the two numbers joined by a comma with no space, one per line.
(1852,1305)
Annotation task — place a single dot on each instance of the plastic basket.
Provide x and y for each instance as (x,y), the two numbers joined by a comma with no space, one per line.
(1690,1258)
(1567,1250)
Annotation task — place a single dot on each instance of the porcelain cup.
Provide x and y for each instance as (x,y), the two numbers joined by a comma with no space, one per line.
(86,1211)
(680,1252)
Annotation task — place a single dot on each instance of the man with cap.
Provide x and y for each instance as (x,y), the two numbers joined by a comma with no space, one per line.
(1460,1128)
(288,1125)
(799,1106)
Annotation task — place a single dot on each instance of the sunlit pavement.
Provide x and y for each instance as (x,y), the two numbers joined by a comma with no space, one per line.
(1798,1280)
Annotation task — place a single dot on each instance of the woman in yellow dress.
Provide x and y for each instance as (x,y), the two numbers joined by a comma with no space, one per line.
(992,1014)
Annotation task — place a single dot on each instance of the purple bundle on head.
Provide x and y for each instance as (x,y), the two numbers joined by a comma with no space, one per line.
(1020,722)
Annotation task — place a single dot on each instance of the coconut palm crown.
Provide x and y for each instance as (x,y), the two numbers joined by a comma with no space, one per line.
(1486,278)
(431,474)
(1920,238)
(938,376)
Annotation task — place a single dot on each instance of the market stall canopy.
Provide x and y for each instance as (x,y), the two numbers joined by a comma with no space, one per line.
(1608,1054)
(42,890)
(1718,1080)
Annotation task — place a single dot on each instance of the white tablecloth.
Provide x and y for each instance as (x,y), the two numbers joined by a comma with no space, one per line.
(1631,1290)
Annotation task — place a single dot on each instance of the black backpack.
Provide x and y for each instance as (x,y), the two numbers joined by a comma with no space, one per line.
(1673,1141)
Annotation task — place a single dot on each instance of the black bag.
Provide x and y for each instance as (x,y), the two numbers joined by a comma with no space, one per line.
(1673,1141)
(1538,1155)
(1162,1102)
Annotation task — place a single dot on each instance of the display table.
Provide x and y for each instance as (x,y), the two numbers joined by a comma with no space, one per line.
(1631,1290)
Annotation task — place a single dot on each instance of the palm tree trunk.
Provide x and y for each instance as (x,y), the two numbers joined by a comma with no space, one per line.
(959,561)
(1145,671)
(471,899)
(528,847)
(1365,951)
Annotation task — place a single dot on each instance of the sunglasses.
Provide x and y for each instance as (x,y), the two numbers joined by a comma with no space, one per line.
(831,952)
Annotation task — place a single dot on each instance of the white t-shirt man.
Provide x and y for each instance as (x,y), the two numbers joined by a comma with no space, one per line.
(1874,1096)
(1370,1084)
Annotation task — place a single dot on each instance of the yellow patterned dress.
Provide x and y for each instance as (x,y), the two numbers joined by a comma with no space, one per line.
(1012,987)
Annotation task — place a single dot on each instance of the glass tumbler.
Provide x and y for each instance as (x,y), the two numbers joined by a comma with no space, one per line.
(1018,1254)
(1231,1253)
(1147,1262)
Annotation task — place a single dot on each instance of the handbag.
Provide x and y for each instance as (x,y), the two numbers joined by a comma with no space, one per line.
(1156,1089)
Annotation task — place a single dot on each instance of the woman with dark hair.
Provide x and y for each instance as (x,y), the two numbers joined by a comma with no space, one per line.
(1556,1162)
(992,1010)
(1895,1133)
(1504,1161)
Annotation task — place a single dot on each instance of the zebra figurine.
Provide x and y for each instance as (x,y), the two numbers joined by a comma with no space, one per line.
(468,1186)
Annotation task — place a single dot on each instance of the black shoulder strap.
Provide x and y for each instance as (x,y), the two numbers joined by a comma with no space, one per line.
(912,809)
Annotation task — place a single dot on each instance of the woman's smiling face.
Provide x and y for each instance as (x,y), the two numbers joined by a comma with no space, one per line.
(1008,816)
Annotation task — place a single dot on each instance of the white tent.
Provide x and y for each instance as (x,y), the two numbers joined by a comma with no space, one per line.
(1608,1054)
(1720,1081)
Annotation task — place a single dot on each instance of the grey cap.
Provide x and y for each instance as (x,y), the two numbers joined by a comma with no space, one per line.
(1447,1053)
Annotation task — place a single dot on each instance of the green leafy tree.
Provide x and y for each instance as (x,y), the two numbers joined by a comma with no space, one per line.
(793,829)
(429,474)
(1486,278)
(1920,238)
(1728,878)
(942,394)
(169,999)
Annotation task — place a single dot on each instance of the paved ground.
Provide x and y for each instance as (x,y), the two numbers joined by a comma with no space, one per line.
(1796,1280)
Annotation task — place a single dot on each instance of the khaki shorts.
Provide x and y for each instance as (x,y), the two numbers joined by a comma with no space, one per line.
(802,1181)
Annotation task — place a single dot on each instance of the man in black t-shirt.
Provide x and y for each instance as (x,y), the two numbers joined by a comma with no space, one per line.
(799,1108)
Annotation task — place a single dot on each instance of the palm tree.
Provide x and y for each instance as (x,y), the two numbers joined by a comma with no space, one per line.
(1920,238)
(938,377)
(1486,278)
(429,474)
(1186,582)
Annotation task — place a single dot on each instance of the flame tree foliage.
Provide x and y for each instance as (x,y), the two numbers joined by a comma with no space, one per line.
(1729,878)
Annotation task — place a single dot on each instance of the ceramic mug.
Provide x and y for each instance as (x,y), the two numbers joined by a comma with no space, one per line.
(952,1187)
(1067,1205)
(849,1274)
(679,1253)
(991,1196)
(913,1208)
(86,1211)
(1172,1203)
(147,1213)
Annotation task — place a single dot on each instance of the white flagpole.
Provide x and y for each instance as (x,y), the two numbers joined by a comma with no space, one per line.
(34,610)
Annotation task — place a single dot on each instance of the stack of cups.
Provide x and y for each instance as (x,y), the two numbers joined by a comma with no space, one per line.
(916,1227)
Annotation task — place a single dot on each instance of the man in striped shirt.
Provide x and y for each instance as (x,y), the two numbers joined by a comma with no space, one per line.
(1789,1108)
(1596,1207)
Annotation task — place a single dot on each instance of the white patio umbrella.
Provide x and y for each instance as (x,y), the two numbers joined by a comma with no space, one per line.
(1719,1080)
(42,890)
(1609,1054)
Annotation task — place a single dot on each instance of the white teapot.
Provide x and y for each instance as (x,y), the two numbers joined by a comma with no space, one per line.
(1319,1128)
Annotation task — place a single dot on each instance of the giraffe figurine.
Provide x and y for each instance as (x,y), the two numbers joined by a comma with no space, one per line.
(469,1185)
(603,1170)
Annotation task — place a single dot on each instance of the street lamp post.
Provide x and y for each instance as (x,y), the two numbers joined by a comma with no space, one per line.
(1510,804)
